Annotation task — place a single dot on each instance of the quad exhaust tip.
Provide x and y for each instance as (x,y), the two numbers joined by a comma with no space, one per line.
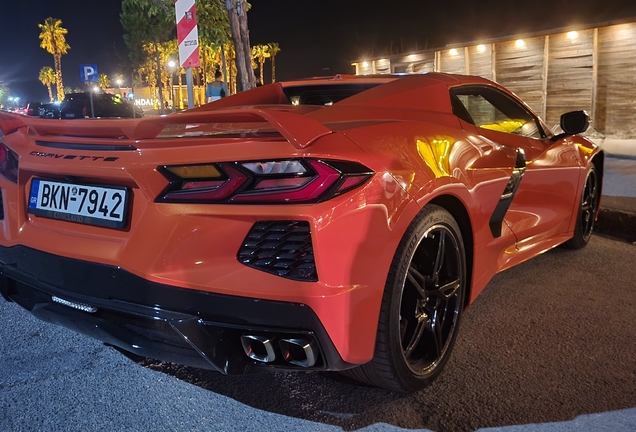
(259,348)
(296,351)
(299,352)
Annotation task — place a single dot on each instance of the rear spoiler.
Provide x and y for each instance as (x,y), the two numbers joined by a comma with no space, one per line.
(298,129)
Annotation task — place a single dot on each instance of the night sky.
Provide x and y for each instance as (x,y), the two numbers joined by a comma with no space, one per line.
(316,38)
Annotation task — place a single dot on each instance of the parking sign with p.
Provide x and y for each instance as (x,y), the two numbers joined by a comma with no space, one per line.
(88,72)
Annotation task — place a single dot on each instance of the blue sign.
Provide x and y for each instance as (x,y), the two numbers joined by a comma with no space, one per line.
(88,73)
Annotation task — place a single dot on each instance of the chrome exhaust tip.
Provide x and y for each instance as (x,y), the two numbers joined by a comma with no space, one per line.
(299,352)
(259,348)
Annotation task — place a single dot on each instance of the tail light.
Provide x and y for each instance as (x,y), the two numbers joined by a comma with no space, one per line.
(8,163)
(262,182)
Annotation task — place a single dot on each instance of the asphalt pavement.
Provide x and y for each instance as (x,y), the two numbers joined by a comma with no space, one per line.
(547,341)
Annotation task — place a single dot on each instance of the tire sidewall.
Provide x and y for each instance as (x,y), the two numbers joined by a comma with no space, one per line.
(432,215)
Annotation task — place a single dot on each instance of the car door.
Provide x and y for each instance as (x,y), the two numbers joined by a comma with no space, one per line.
(543,204)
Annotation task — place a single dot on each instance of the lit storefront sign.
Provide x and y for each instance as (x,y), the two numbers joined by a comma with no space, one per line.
(145,102)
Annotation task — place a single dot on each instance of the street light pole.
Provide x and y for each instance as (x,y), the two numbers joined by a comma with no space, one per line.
(172,65)
(119,83)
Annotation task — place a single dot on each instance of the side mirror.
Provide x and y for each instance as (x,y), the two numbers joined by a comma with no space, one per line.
(575,122)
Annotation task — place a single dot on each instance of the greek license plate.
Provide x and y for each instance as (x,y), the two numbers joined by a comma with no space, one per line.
(92,205)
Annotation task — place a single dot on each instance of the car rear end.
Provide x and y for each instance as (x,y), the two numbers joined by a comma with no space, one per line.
(231,244)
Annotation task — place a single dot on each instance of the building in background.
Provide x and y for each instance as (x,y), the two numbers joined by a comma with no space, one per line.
(593,69)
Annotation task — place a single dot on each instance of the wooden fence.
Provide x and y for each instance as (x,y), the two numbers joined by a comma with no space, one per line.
(593,70)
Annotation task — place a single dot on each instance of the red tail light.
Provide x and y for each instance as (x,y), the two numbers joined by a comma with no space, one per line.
(262,182)
(8,163)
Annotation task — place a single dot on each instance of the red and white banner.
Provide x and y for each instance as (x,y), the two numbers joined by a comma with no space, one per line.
(187,33)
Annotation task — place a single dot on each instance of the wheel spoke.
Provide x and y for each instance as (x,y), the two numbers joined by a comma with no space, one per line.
(439,259)
(418,280)
(417,335)
(435,330)
(446,291)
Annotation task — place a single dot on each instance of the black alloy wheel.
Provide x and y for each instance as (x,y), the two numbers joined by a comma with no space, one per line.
(430,304)
(588,208)
(589,204)
(422,305)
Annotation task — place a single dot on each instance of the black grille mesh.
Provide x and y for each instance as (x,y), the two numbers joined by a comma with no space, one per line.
(282,248)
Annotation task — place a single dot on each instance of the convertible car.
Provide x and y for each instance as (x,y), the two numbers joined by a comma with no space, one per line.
(336,224)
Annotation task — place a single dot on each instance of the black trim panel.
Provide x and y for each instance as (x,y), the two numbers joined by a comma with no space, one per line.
(496,220)
(145,317)
(89,147)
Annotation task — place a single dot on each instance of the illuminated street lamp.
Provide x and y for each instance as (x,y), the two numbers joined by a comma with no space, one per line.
(172,66)
(119,82)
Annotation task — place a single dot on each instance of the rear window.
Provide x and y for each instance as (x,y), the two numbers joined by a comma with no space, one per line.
(327,94)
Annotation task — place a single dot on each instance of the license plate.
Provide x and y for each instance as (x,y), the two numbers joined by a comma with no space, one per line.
(92,205)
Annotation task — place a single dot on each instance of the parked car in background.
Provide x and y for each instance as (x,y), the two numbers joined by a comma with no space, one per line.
(33,109)
(78,105)
(334,224)
(49,110)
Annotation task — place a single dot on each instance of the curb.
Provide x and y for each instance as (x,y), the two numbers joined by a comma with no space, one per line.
(617,224)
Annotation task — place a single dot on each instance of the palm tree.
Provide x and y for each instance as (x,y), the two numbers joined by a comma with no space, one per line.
(103,81)
(53,40)
(273,50)
(260,53)
(47,77)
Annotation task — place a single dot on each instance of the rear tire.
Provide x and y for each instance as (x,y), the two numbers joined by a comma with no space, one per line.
(421,307)
(586,215)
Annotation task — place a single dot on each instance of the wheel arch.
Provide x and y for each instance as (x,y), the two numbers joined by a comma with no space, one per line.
(458,210)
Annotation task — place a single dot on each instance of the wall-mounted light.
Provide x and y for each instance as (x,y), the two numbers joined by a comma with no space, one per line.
(412,57)
(622,32)
(365,64)
(452,52)
(520,43)
(573,35)
(481,48)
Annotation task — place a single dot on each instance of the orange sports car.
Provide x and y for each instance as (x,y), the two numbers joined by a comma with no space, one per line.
(336,224)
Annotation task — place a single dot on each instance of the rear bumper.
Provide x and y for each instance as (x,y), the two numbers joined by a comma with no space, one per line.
(185,326)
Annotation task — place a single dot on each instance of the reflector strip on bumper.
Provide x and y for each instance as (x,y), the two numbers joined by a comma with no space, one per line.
(79,306)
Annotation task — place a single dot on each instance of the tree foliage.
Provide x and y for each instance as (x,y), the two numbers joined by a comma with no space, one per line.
(147,21)
(4,94)
(103,81)
(213,23)
(47,78)
(260,53)
(53,40)
(149,33)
